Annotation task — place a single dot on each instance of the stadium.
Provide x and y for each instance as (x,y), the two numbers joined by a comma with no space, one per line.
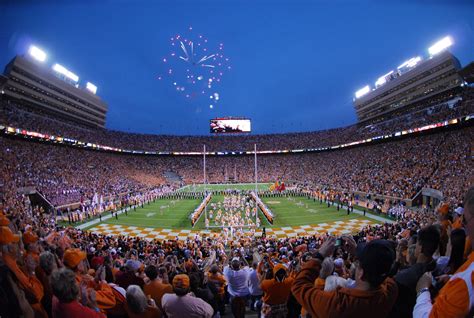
(234,216)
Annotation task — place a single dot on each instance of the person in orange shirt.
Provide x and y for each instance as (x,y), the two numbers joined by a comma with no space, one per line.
(276,292)
(156,288)
(456,298)
(74,260)
(138,306)
(445,223)
(373,294)
(30,240)
(27,281)
(218,281)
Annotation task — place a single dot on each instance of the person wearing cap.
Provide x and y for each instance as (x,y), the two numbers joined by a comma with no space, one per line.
(73,259)
(373,294)
(276,292)
(30,240)
(27,280)
(182,303)
(456,298)
(238,288)
(458,220)
(445,223)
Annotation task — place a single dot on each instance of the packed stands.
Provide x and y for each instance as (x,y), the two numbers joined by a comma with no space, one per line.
(439,108)
(47,270)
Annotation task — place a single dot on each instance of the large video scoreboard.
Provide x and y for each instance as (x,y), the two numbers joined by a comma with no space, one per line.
(230,125)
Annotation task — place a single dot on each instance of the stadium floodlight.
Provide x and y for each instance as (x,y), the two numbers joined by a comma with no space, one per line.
(37,53)
(64,71)
(91,87)
(382,79)
(410,63)
(361,92)
(440,46)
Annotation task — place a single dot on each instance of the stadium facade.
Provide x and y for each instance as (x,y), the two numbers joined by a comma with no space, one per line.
(409,84)
(50,92)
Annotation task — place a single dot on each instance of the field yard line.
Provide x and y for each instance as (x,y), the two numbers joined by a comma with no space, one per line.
(375,217)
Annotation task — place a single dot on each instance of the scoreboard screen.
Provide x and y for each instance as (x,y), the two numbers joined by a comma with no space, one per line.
(230,125)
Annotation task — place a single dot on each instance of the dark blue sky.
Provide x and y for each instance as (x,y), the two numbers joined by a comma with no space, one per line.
(296,64)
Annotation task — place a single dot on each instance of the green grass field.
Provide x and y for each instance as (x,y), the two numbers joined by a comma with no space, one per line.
(162,213)
(288,211)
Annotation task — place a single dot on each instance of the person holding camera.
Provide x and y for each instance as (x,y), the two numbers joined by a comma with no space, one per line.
(373,294)
(237,277)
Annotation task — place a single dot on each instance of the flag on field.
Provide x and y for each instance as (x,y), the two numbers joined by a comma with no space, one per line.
(282,187)
(278,186)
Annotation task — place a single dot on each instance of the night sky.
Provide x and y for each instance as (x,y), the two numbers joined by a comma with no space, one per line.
(295,64)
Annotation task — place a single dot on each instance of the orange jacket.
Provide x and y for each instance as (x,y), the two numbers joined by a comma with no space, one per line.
(343,302)
(276,293)
(453,298)
(29,283)
(104,295)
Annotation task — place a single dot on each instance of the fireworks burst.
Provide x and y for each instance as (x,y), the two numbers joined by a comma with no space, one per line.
(194,67)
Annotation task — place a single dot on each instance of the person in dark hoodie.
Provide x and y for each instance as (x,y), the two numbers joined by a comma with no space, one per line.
(427,244)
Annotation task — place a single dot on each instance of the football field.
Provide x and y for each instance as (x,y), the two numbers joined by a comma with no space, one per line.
(167,218)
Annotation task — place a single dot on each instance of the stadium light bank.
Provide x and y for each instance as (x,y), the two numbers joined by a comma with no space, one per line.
(91,87)
(361,92)
(433,50)
(440,46)
(39,55)
(64,71)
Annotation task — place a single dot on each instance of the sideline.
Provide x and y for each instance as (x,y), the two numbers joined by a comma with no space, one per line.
(104,218)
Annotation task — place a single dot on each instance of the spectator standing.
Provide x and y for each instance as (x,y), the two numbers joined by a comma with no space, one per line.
(373,294)
(238,287)
(182,303)
(276,293)
(456,298)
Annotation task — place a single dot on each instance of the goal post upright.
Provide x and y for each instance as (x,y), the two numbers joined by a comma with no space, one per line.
(256,181)
(205,182)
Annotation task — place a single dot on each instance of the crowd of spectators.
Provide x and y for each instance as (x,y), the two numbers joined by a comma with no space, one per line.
(400,269)
(399,169)
(437,109)
(421,265)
